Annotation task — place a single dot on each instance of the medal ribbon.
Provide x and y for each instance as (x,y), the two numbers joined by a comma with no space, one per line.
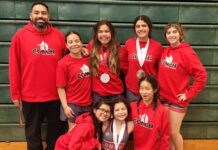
(104,55)
(122,129)
(105,78)
(141,53)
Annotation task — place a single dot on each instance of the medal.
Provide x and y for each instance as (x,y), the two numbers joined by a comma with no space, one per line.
(105,78)
(140,74)
(141,54)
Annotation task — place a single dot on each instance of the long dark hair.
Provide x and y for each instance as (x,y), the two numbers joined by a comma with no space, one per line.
(154,84)
(147,20)
(96,105)
(113,45)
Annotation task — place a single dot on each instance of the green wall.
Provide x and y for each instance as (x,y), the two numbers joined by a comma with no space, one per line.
(200,20)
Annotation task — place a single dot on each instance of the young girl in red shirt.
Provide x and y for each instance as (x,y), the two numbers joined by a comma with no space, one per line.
(73,80)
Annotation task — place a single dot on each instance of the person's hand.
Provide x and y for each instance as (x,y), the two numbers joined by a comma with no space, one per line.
(85,52)
(68,112)
(17,103)
(181,97)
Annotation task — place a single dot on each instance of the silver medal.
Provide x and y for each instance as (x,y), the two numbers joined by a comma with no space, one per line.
(140,74)
(105,78)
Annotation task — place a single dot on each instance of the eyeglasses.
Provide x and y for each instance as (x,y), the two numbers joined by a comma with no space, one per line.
(107,112)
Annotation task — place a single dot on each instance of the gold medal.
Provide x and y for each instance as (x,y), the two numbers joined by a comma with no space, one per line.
(140,73)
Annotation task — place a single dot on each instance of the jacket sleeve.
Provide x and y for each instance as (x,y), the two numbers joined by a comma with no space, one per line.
(165,131)
(62,142)
(89,46)
(124,60)
(15,68)
(195,69)
(83,139)
(159,53)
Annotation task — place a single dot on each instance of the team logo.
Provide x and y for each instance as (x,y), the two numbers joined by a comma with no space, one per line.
(43,46)
(43,49)
(84,68)
(85,71)
(144,118)
(143,121)
(169,59)
(147,57)
(168,62)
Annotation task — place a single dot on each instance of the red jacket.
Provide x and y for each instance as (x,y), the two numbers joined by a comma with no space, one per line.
(151,128)
(81,137)
(33,59)
(130,64)
(176,67)
(73,74)
(113,87)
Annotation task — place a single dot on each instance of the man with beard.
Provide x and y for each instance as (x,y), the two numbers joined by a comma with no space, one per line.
(34,53)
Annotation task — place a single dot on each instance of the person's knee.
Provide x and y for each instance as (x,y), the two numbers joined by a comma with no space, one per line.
(175,134)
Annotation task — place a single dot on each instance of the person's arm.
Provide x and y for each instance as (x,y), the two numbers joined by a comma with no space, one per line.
(84,138)
(17,103)
(165,132)
(130,126)
(89,46)
(85,52)
(15,71)
(194,68)
(123,59)
(61,82)
(67,110)
(159,51)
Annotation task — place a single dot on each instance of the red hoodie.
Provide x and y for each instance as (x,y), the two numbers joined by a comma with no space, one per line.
(130,63)
(151,128)
(33,59)
(81,137)
(176,67)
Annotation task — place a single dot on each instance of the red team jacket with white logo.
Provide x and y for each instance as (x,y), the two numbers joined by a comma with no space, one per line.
(32,63)
(176,67)
(151,128)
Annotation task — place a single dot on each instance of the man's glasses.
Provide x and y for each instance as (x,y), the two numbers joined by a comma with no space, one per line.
(107,112)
